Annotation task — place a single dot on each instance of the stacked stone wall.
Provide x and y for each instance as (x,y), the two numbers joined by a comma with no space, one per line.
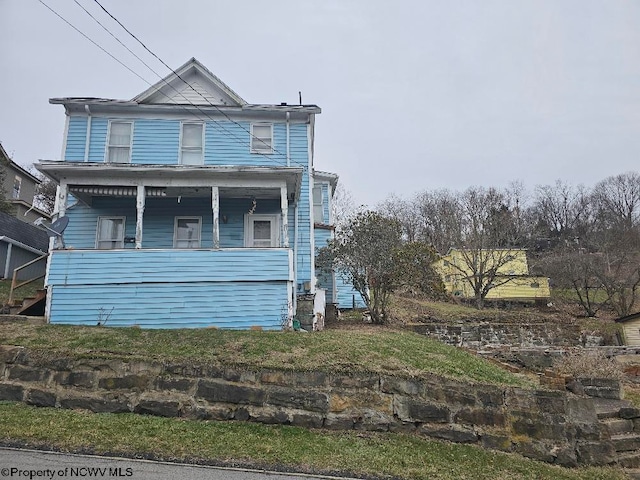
(553,426)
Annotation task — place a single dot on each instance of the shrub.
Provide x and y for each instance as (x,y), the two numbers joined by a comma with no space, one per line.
(589,363)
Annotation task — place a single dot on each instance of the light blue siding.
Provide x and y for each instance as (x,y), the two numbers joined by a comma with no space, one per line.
(325,280)
(347,295)
(98,141)
(76,139)
(227,143)
(156,142)
(171,288)
(158,220)
(299,153)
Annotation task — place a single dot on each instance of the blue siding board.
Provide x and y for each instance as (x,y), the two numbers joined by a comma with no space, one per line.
(178,266)
(98,139)
(76,139)
(168,305)
(156,142)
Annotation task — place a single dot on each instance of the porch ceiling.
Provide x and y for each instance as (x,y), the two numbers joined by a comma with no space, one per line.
(179,180)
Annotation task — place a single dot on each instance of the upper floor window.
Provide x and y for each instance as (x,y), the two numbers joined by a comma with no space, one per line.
(119,147)
(191,144)
(110,233)
(318,210)
(187,232)
(17,183)
(261,138)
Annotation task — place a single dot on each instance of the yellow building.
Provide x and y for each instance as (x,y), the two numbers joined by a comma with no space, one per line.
(512,281)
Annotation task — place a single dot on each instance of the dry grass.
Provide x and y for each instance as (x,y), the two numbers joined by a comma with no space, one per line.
(590,363)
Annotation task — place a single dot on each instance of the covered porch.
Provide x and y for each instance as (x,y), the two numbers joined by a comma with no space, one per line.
(174,246)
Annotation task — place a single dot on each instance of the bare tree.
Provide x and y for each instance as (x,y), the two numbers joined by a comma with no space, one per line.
(617,203)
(440,218)
(562,211)
(404,211)
(343,207)
(576,270)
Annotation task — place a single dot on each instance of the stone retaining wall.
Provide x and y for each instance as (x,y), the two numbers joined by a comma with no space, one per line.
(553,426)
(482,335)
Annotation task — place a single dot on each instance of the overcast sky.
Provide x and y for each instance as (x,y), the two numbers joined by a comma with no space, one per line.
(414,94)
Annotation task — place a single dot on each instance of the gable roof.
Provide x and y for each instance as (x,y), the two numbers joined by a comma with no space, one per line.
(201,88)
(23,232)
(15,166)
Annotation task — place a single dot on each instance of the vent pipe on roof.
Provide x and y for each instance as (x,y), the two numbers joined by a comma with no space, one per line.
(300,97)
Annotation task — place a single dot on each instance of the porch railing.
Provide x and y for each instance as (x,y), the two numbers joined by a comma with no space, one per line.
(14,281)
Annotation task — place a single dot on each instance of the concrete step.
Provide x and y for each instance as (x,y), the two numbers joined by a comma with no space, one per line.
(629,460)
(626,442)
(617,426)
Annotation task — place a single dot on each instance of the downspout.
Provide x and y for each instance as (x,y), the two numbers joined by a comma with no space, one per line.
(295,257)
(295,224)
(288,150)
(88,140)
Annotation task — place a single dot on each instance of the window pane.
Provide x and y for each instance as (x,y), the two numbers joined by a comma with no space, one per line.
(191,157)
(261,138)
(120,134)
(262,230)
(118,155)
(188,233)
(192,135)
(110,233)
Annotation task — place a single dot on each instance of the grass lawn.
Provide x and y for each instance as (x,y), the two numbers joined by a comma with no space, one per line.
(263,446)
(368,350)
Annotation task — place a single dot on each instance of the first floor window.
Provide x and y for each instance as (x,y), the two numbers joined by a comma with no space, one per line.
(110,233)
(261,231)
(191,146)
(119,147)
(187,232)
(261,138)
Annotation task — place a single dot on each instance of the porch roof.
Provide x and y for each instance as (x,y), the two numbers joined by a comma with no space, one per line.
(224,176)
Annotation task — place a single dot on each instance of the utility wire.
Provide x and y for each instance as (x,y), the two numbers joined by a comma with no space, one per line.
(222,127)
(230,134)
(87,37)
(183,80)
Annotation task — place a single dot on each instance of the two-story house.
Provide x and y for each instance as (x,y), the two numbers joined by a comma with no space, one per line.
(19,187)
(187,207)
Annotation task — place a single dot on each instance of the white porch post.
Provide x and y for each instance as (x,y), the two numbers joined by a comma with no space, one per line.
(215,205)
(284,206)
(140,202)
(63,193)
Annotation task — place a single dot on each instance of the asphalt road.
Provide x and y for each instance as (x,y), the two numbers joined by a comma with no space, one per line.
(35,464)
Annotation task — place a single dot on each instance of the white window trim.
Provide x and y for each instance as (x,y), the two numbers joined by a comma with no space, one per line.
(202,124)
(107,142)
(110,217)
(254,137)
(248,231)
(318,187)
(175,230)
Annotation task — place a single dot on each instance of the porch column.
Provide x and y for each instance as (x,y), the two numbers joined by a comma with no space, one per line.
(140,201)
(284,206)
(63,193)
(215,206)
